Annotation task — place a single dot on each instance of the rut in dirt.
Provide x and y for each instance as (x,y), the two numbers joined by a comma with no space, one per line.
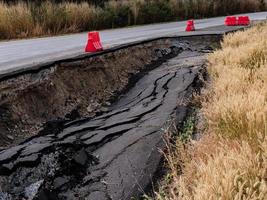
(114,155)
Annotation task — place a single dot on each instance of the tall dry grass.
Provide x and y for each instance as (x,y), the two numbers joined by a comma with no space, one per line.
(236,104)
(23,18)
(230,161)
(217,168)
(15,21)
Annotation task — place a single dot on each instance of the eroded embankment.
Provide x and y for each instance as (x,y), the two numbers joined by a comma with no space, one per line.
(115,154)
(73,89)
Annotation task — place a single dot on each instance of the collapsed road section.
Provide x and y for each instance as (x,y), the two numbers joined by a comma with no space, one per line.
(113,155)
(73,88)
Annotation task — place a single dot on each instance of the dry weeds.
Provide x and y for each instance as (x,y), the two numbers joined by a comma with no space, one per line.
(230,161)
(29,19)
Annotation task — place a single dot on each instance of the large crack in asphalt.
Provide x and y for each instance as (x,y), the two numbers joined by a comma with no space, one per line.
(113,156)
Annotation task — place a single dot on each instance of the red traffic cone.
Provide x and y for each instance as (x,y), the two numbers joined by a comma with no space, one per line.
(240,20)
(190,26)
(230,21)
(247,20)
(93,43)
(227,21)
(243,20)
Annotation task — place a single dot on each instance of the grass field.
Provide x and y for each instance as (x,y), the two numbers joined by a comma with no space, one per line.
(230,160)
(42,18)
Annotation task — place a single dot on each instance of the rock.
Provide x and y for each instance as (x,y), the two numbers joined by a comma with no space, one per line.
(10,137)
(35,148)
(94,176)
(5,196)
(32,190)
(158,53)
(107,103)
(29,159)
(103,109)
(2,149)
(46,195)
(89,109)
(59,182)
(52,127)
(81,157)
(90,134)
(10,153)
(74,114)
(68,140)
(6,169)
(97,195)
(40,140)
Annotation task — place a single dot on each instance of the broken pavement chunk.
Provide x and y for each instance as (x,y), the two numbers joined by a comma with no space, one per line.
(32,190)
(81,157)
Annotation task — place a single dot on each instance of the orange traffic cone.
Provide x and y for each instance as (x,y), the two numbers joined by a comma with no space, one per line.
(93,43)
(190,26)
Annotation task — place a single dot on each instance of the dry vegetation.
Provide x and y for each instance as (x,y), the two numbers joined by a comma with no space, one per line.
(37,18)
(230,161)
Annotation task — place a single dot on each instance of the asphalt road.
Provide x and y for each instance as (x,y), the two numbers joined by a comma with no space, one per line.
(20,54)
(113,156)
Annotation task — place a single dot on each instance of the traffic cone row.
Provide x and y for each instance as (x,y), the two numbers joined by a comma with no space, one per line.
(93,44)
(237,21)
(190,26)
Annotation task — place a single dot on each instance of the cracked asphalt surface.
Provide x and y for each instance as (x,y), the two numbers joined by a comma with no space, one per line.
(112,156)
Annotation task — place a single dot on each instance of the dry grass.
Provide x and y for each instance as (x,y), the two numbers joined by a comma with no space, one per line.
(230,161)
(20,20)
(236,104)
(217,168)
(15,20)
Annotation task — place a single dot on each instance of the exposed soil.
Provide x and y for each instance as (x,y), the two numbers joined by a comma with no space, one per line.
(111,155)
(71,90)
(74,89)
